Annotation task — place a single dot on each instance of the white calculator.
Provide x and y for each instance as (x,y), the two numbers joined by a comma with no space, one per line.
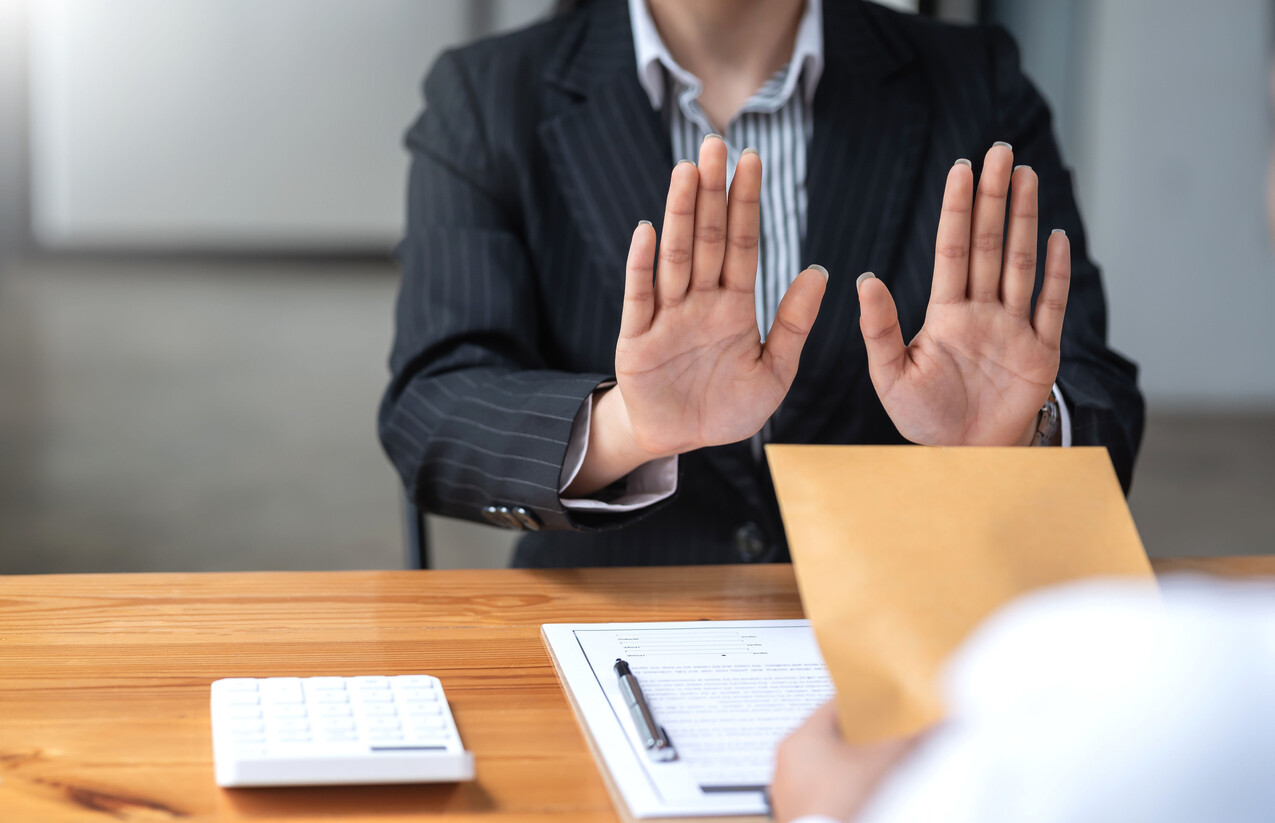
(306,731)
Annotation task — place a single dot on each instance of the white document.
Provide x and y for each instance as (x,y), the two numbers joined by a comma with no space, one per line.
(726,692)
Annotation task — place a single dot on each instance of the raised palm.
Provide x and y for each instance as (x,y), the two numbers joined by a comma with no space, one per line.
(690,364)
(982,365)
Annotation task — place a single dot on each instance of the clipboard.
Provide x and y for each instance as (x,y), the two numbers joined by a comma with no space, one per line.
(612,740)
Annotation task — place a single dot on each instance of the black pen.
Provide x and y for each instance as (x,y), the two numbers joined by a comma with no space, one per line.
(654,738)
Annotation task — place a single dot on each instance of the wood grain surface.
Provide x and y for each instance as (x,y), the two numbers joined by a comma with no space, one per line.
(104,679)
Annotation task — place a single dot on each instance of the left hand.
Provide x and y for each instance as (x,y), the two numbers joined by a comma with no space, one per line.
(818,772)
(982,365)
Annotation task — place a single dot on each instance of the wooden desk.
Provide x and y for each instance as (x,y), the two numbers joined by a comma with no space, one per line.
(104,679)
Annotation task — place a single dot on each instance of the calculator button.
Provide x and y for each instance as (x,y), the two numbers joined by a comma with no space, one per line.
(386,737)
(379,710)
(331,710)
(246,726)
(422,709)
(254,736)
(371,682)
(340,737)
(372,696)
(335,724)
(289,724)
(420,695)
(325,683)
(237,684)
(241,699)
(381,722)
(427,723)
(294,737)
(245,713)
(415,681)
(330,697)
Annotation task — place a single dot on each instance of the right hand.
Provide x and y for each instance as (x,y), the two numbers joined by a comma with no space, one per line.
(690,365)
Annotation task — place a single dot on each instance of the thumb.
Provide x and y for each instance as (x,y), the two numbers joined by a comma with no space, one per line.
(793,319)
(879,322)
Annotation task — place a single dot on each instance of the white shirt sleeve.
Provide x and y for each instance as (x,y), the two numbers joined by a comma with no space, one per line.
(1064,418)
(644,486)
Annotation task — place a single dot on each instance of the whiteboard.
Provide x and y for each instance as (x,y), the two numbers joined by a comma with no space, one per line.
(242,124)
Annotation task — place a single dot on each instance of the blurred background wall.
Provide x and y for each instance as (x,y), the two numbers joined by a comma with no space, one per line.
(198,198)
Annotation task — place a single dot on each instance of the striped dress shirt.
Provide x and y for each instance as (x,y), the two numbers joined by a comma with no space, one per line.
(776,121)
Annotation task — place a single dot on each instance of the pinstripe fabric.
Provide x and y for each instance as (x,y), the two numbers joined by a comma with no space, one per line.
(537,154)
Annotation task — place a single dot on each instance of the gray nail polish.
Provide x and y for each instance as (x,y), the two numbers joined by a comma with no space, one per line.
(1003,143)
(819,269)
(867,275)
(644,222)
(967,164)
(749,151)
(711,136)
(1059,231)
(1023,166)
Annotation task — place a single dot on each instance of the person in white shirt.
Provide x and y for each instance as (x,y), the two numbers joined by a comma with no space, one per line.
(1090,703)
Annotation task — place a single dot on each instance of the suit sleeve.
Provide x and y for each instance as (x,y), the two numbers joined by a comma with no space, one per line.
(1099,385)
(473,416)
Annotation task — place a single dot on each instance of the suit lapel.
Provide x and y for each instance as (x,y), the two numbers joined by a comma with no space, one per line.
(607,148)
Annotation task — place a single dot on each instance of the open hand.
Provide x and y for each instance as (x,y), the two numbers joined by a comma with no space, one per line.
(690,365)
(982,365)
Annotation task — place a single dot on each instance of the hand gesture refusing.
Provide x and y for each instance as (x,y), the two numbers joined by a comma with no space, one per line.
(983,363)
(690,365)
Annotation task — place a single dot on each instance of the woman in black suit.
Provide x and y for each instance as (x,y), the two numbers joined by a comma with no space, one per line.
(550,375)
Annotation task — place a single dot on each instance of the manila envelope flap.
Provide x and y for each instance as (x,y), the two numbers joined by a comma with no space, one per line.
(901,551)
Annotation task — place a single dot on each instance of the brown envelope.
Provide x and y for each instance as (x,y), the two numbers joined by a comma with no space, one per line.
(901,551)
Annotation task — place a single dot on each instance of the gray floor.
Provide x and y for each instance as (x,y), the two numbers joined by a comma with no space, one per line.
(198,416)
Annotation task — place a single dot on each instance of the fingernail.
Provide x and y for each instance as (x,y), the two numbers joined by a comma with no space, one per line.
(680,162)
(967,164)
(1003,143)
(867,275)
(819,269)
(711,136)
(749,151)
(1059,231)
(644,222)
(1024,166)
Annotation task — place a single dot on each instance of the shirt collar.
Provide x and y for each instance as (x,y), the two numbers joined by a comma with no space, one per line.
(652,54)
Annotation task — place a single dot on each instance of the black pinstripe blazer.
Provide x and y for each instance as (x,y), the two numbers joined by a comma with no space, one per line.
(537,154)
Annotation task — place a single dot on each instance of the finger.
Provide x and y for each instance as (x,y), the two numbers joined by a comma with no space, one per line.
(1019,275)
(743,218)
(1051,304)
(639,291)
(793,319)
(952,246)
(674,272)
(988,231)
(879,322)
(710,215)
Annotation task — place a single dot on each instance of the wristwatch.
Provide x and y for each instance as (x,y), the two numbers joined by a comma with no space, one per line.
(1049,419)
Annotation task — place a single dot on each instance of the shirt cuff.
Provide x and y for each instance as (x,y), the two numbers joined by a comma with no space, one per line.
(1064,418)
(646,485)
